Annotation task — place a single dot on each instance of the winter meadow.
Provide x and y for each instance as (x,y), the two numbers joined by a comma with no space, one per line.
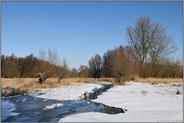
(91,62)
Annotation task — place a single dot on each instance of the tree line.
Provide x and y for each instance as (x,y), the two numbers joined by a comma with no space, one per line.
(118,63)
(115,63)
(30,66)
(146,55)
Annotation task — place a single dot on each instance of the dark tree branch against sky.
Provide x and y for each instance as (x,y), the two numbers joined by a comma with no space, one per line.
(149,41)
(78,30)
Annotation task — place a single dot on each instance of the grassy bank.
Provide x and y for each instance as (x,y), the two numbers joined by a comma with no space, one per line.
(14,86)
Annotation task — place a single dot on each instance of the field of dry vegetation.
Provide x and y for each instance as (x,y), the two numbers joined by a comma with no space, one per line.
(14,86)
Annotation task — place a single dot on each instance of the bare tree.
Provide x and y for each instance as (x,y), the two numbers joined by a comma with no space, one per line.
(58,67)
(73,72)
(161,47)
(83,71)
(95,66)
(41,54)
(149,41)
(117,63)
(53,57)
(65,68)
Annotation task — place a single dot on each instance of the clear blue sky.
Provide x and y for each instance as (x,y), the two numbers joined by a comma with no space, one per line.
(79,30)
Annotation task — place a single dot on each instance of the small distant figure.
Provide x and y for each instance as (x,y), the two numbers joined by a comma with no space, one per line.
(42,77)
(60,77)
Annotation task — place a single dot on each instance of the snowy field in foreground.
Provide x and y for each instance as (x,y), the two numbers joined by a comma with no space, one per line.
(144,102)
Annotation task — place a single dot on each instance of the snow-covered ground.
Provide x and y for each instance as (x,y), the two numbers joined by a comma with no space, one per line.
(144,102)
(74,92)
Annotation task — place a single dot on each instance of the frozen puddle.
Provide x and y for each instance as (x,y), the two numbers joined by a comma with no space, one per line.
(144,102)
(43,108)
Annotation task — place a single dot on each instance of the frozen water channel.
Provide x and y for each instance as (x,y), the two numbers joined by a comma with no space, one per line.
(52,104)
(80,103)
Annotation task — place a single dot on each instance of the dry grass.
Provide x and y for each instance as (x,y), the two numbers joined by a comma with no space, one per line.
(158,80)
(15,85)
(31,83)
(25,84)
(106,79)
(17,82)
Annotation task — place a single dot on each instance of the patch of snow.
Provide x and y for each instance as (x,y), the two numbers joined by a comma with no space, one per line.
(53,106)
(159,104)
(71,92)
(133,116)
(169,89)
(7,110)
(24,100)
